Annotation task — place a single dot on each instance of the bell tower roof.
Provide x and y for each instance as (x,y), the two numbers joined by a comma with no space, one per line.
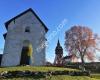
(58,44)
(59,48)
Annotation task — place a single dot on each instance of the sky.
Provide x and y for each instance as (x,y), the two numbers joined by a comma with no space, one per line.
(53,13)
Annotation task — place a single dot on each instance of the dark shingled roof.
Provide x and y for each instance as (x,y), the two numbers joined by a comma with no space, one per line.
(8,22)
(68,57)
(0,58)
(4,35)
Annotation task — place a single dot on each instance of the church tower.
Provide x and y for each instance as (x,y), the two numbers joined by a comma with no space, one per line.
(24,39)
(58,55)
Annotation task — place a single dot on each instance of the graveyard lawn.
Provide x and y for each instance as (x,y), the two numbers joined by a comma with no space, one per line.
(31,68)
(64,77)
(45,69)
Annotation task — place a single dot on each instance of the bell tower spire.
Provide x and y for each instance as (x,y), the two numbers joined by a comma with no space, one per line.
(58,44)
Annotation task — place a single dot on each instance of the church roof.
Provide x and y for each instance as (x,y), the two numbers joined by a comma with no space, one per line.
(0,58)
(67,57)
(4,35)
(8,22)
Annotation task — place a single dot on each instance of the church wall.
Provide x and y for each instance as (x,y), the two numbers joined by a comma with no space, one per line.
(15,37)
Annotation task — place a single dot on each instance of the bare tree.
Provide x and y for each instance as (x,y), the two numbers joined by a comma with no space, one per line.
(81,42)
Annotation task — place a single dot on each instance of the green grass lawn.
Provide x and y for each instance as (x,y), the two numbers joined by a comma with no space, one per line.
(45,69)
(30,68)
(63,77)
(97,76)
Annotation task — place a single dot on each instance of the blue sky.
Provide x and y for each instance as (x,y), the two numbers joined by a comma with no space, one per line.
(52,13)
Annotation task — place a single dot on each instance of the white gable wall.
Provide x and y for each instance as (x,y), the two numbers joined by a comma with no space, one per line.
(16,35)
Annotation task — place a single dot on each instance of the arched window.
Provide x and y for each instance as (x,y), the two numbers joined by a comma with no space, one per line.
(27,29)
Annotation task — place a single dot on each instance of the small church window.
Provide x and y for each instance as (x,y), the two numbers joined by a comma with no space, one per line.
(27,29)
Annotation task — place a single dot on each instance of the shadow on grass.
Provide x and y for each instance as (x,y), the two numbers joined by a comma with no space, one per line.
(39,77)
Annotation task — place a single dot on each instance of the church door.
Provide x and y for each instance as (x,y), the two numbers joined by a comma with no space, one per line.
(25,58)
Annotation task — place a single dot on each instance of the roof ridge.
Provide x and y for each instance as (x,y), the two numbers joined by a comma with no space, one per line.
(30,9)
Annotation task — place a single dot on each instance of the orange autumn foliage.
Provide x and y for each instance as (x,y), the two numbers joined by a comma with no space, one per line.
(80,41)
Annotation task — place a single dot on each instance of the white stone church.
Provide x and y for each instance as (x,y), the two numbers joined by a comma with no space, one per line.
(25,33)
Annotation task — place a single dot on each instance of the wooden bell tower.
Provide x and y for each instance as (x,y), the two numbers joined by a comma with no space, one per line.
(58,55)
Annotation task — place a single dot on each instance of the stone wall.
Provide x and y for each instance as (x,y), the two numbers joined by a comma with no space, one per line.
(14,74)
(15,37)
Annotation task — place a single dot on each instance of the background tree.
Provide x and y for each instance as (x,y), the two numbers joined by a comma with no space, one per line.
(81,42)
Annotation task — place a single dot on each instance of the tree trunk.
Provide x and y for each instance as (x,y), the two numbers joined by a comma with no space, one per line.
(82,62)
